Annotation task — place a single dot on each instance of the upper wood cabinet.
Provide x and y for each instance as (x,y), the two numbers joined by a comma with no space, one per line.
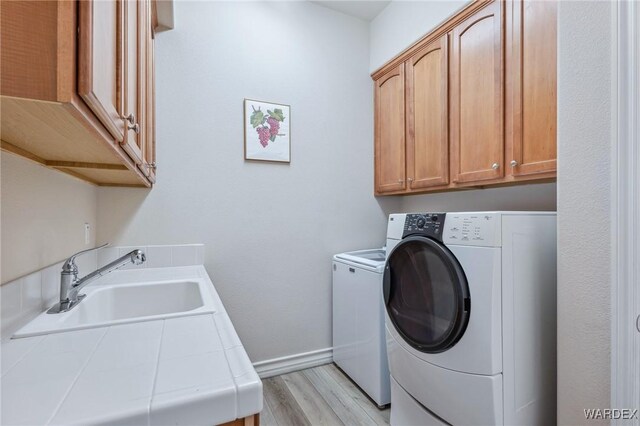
(75,87)
(531,87)
(149,160)
(427,116)
(390,171)
(480,102)
(134,78)
(100,64)
(477,143)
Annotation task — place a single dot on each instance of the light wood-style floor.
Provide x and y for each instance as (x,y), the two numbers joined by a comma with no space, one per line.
(318,396)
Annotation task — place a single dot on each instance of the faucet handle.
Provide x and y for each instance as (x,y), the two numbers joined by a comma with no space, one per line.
(70,264)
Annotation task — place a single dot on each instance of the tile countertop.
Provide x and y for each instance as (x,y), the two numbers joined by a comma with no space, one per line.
(188,370)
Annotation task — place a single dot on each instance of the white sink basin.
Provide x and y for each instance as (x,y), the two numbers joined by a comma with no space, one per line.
(107,305)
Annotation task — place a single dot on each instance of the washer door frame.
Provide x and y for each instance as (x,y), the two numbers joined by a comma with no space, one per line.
(461,289)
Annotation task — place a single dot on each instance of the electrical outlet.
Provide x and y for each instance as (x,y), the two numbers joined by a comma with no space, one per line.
(87,233)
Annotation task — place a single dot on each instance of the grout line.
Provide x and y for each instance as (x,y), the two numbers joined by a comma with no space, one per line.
(224,351)
(155,376)
(27,352)
(75,380)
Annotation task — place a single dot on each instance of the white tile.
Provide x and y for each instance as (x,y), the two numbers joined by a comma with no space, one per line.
(227,333)
(197,371)
(142,343)
(106,255)
(14,350)
(32,294)
(81,342)
(183,255)
(31,403)
(10,306)
(239,361)
(189,336)
(191,406)
(118,396)
(50,285)
(87,262)
(249,396)
(36,385)
(57,353)
(200,254)
(158,256)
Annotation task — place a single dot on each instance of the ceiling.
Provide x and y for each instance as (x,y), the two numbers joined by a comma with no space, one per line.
(363,9)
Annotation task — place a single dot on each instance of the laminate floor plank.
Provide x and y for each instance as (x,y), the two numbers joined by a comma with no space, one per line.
(321,395)
(380,417)
(338,399)
(266,416)
(313,405)
(284,407)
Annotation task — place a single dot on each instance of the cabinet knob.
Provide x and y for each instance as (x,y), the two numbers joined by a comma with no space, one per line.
(400,180)
(410,179)
(130,118)
(132,123)
(135,127)
(153,165)
(495,166)
(513,163)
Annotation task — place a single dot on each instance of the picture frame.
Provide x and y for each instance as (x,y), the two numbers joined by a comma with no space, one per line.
(267,131)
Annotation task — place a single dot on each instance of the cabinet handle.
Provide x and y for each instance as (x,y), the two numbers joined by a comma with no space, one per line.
(495,166)
(153,165)
(513,163)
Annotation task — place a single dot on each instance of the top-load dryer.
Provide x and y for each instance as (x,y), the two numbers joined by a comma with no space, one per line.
(470,317)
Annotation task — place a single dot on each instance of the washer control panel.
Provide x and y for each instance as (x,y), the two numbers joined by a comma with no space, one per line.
(473,229)
(426,224)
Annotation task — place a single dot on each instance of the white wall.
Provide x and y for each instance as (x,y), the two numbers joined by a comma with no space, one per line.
(402,23)
(536,197)
(43,215)
(269,229)
(584,195)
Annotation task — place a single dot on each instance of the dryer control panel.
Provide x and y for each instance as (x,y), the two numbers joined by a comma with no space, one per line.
(473,229)
(425,224)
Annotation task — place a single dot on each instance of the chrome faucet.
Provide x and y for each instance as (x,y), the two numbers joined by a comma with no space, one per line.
(70,284)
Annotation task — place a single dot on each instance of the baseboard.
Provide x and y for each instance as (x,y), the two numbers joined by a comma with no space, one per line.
(287,364)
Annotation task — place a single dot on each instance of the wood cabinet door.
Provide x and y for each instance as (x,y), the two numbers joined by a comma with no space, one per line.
(100,61)
(427,116)
(531,87)
(390,131)
(150,118)
(477,136)
(134,60)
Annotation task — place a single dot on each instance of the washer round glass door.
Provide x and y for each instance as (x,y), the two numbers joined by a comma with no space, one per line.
(426,294)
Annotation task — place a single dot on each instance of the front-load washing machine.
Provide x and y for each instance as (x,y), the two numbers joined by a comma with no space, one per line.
(470,317)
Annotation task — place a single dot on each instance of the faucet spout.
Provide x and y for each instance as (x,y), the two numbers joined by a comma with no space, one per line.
(70,284)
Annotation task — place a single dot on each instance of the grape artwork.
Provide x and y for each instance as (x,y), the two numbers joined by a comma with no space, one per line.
(267,125)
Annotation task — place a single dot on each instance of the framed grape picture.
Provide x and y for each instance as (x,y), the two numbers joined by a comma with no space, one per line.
(267,131)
